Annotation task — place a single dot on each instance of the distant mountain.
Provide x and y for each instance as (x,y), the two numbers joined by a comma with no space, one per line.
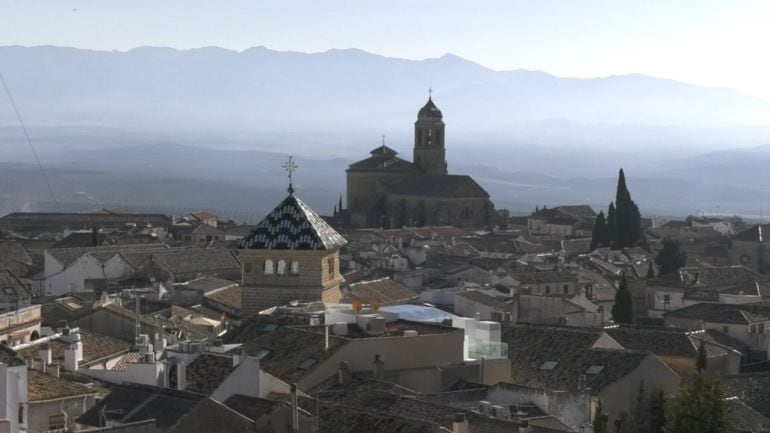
(348,96)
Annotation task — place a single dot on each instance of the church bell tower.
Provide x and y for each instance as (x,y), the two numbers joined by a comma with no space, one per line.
(429,152)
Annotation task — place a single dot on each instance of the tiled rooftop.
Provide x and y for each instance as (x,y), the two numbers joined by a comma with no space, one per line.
(207,372)
(95,347)
(43,386)
(230,297)
(385,290)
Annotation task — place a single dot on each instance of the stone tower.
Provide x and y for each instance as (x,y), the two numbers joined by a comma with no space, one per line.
(292,254)
(429,152)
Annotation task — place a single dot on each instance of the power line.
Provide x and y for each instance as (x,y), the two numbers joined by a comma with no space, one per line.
(29,141)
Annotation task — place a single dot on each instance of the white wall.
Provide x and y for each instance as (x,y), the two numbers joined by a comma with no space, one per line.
(59,280)
(13,389)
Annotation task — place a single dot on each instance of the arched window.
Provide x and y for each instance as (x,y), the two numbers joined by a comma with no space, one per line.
(269,267)
(295,267)
(330,263)
(281,267)
(35,335)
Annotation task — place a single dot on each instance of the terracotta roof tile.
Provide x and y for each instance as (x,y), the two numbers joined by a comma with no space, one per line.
(43,386)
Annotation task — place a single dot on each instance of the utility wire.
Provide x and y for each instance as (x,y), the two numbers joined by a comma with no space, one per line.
(29,142)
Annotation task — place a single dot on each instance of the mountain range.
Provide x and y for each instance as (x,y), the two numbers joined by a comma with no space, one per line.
(230,118)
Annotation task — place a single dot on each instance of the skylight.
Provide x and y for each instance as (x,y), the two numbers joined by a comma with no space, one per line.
(270,327)
(306,364)
(262,353)
(549,365)
(595,369)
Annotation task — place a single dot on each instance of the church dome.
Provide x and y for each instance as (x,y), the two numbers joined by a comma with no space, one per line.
(430,111)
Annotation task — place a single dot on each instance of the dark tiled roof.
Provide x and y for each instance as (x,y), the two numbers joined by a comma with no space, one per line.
(230,297)
(434,185)
(292,225)
(196,260)
(344,419)
(384,290)
(289,348)
(720,337)
(95,347)
(43,386)
(206,284)
(659,342)
(745,418)
(393,329)
(495,302)
(383,162)
(10,357)
(755,233)
(131,402)
(579,211)
(544,277)
(212,416)
(722,313)
(260,325)
(11,288)
(81,240)
(14,258)
(253,408)
(207,372)
(752,389)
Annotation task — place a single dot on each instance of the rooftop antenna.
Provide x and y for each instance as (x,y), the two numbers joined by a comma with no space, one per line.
(290,167)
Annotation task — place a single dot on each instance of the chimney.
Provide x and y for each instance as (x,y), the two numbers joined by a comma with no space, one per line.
(378,367)
(71,358)
(459,423)
(45,353)
(53,370)
(237,357)
(294,409)
(524,426)
(482,369)
(181,376)
(343,374)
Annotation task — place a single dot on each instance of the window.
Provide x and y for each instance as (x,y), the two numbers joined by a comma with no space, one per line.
(595,369)
(9,290)
(566,289)
(306,364)
(295,267)
(666,299)
(725,329)
(269,269)
(549,365)
(547,289)
(330,264)
(281,268)
(262,353)
(56,422)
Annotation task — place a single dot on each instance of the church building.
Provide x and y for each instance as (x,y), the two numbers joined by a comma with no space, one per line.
(387,191)
(291,255)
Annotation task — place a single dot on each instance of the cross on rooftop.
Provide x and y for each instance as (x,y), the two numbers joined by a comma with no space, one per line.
(290,167)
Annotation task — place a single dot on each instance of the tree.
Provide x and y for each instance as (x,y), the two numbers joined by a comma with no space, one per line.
(623,309)
(612,227)
(657,410)
(670,258)
(600,419)
(650,272)
(702,358)
(648,414)
(599,234)
(700,408)
(628,219)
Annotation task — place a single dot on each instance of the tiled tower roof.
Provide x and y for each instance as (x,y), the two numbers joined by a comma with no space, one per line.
(292,225)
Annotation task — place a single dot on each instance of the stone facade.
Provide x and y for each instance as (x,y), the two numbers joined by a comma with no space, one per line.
(387,191)
(307,276)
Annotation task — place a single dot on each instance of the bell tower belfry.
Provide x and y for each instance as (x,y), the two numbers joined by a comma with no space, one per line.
(429,152)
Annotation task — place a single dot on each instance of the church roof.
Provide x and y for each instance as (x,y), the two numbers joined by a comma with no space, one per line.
(382,159)
(383,151)
(292,225)
(429,110)
(437,185)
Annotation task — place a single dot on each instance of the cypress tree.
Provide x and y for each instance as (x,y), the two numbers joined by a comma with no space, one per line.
(702,358)
(340,204)
(612,227)
(622,204)
(623,309)
(670,258)
(650,272)
(599,234)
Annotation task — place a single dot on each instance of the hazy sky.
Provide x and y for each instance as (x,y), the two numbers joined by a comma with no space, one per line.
(713,43)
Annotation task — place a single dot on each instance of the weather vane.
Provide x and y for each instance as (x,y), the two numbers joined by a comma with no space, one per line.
(430,92)
(290,166)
